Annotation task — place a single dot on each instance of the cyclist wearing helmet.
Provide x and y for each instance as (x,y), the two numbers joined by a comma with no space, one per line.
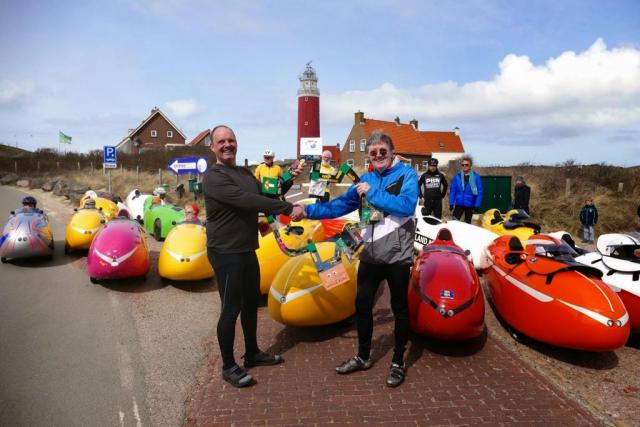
(28,204)
(268,168)
(159,194)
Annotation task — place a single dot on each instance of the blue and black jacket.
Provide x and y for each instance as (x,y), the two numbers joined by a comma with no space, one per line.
(395,193)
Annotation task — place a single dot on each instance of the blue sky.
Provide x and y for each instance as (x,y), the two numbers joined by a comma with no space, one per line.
(538,81)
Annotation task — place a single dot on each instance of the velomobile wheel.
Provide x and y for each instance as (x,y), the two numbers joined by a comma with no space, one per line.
(157,230)
(93,280)
(3,259)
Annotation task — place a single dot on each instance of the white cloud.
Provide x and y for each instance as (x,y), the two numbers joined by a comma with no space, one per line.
(572,93)
(14,92)
(183,108)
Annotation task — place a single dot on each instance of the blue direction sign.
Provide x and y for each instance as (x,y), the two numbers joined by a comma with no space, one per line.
(184,165)
(110,157)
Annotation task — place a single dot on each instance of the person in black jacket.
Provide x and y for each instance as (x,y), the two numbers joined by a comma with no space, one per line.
(588,219)
(233,200)
(433,187)
(521,195)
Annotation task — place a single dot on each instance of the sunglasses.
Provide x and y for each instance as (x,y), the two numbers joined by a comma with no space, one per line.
(465,164)
(374,153)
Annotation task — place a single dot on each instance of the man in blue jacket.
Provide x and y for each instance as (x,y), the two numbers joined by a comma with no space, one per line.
(392,189)
(465,194)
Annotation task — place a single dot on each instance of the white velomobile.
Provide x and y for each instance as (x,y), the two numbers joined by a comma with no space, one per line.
(469,237)
(135,203)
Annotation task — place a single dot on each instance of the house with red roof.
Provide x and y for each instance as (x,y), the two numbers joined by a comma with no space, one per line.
(416,146)
(201,139)
(156,131)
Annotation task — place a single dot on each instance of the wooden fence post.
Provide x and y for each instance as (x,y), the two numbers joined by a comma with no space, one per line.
(78,165)
(567,188)
(620,187)
(15,166)
(137,175)
(38,165)
(159,176)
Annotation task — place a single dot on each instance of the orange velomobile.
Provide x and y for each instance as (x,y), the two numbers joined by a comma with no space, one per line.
(445,296)
(542,293)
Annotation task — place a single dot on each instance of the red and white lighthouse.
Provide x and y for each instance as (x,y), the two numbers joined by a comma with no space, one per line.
(308,106)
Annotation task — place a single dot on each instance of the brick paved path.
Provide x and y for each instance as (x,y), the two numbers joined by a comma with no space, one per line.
(447,384)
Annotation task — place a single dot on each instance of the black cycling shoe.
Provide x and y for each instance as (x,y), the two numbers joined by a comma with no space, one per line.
(356,363)
(262,359)
(396,375)
(237,377)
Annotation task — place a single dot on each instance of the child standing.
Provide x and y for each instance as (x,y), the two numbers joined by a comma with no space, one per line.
(588,218)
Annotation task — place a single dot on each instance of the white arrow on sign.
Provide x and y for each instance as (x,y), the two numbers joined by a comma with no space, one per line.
(177,166)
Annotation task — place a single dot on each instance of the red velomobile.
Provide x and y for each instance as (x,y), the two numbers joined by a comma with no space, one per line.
(445,297)
(542,293)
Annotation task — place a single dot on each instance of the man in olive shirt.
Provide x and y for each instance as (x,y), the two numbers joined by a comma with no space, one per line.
(233,200)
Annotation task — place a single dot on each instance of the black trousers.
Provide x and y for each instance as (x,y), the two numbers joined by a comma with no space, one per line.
(238,277)
(433,207)
(369,278)
(468,213)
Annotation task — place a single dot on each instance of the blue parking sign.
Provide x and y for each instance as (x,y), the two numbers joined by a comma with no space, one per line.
(110,156)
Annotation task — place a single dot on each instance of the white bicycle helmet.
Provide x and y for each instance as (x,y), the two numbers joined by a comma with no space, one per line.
(269,153)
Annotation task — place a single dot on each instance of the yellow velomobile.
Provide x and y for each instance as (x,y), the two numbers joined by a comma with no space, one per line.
(512,223)
(298,298)
(82,228)
(109,207)
(184,254)
(295,236)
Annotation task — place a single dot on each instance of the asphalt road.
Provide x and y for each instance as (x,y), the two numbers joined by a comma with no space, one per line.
(116,354)
(69,350)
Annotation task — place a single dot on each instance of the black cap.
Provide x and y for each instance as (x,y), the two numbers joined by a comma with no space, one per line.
(433,161)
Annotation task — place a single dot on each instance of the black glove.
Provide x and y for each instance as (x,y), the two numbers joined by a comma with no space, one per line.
(451,208)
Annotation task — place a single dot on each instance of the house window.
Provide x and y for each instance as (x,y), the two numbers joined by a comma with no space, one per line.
(425,164)
(367,162)
(442,145)
(306,123)
(352,145)
(407,162)
(417,167)
(169,134)
(154,133)
(350,162)
(363,144)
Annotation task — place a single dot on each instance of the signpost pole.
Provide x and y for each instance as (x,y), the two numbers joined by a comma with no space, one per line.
(109,190)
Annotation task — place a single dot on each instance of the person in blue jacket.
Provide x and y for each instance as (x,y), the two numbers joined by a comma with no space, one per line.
(392,189)
(465,194)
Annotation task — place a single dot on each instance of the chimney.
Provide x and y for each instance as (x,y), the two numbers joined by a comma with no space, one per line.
(414,123)
(358,117)
(338,146)
(397,120)
(456,130)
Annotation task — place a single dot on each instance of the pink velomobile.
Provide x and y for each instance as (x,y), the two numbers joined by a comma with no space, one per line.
(118,251)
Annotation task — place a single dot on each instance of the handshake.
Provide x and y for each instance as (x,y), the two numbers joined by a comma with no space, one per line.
(297,213)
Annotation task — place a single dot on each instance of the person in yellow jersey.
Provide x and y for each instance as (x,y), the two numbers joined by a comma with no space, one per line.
(320,188)
(268,168)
